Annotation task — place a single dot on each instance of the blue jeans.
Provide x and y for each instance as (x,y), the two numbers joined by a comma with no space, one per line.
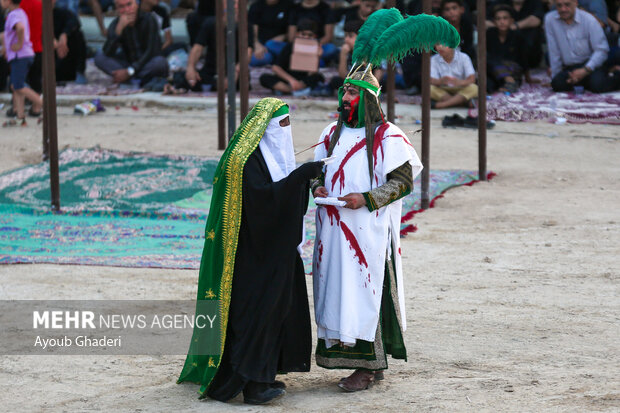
(274,48)
(330,52)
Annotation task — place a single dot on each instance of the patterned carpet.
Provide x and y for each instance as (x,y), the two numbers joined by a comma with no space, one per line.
(131,210)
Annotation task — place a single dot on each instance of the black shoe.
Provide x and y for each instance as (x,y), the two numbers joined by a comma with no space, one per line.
(277,384)
(453,121)
(472,123)
(260,393)
(10,113)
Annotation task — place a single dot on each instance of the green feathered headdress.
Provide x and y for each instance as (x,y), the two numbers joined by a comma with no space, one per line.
(415,33)
(370,32)
(386,35)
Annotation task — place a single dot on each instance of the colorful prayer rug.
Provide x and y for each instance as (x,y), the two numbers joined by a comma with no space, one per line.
(131,210)
(537,102)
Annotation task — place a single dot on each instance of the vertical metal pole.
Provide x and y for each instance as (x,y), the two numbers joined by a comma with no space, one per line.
(390,80)
(244,69)
(426,118)
(482,91)
(231,28)
(221,69)
(50,128)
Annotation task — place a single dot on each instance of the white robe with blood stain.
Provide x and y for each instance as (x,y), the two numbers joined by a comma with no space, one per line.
(351,246)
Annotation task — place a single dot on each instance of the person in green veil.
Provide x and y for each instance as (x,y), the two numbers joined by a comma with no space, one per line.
(251,263)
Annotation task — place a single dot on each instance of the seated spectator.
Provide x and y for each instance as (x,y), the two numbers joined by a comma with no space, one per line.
(452,78)
(528,16)
(506,52)
(268,19)
(285,80)
(137,35)
(204,78)
(194,20)
(454,12)
(70,47)
(319,12)
(577,49)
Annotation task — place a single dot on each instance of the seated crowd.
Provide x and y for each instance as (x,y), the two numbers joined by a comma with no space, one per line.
(581,37)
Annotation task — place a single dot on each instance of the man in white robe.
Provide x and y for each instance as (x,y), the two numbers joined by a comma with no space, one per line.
(358,280)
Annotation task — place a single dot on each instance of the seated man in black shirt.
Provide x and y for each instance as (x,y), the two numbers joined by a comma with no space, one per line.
(268,20)
(137,35)
(285,80)
(528,16)
(506,52)
(70,47)
(204,79)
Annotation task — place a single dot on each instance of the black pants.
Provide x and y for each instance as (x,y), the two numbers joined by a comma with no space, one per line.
(4,73)
(35,75)
(598,81)
(75,61)
(269,80)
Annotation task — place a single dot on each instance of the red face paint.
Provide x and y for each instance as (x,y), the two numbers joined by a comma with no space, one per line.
(353,110)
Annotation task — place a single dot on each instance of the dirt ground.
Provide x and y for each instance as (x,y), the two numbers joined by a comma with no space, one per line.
(512,286)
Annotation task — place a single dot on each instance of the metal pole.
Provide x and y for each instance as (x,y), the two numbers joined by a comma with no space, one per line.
(426,119)
(221,69)
(50,128)
(231,27)
(390,80)
(244,70)
(482,91)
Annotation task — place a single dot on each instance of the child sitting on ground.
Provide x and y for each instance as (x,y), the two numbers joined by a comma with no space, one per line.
(287,81)
(452,78)
(19,53)
(506,54)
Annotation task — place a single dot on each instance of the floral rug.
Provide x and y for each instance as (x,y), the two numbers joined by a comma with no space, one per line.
(132,210)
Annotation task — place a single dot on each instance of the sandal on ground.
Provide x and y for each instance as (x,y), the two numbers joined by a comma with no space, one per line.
(359,380)
(15,122)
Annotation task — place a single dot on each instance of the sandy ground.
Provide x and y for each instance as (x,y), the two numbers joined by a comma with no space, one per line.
(513,286)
